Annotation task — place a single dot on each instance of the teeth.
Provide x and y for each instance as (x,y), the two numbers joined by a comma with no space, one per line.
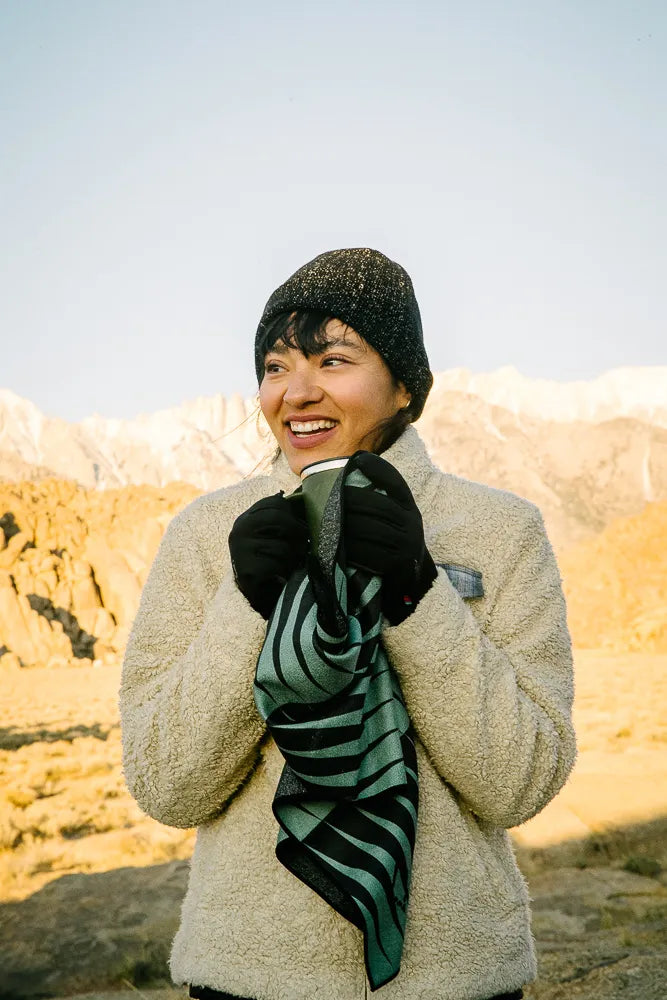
(311,425)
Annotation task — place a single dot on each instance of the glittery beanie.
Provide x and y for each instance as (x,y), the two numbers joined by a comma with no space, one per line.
(374,296)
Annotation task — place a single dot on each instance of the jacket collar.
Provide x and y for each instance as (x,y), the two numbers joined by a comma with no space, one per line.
(408,455)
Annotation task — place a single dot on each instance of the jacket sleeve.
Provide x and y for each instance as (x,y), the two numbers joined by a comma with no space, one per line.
(492,706)
(190,728)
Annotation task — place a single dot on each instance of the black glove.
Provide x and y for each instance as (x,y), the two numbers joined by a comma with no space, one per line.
(384,535)
(267,543)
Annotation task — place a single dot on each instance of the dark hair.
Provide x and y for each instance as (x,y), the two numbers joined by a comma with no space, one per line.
(306,330)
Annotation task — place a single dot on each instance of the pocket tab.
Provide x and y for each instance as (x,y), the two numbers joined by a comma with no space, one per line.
(466,581)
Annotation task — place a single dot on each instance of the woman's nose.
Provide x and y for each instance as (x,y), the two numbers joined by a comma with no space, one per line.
(302,387)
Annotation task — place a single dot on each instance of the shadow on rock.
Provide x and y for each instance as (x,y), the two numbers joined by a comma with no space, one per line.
(88,932)
(599,917)
(83,643)
(13,738)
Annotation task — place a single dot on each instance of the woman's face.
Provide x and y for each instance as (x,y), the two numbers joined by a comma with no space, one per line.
(327,405)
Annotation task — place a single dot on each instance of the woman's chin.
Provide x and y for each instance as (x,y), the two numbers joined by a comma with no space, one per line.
(302,451)
(298,460)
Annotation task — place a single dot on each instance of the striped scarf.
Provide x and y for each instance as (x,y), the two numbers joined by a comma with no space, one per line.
(346,802)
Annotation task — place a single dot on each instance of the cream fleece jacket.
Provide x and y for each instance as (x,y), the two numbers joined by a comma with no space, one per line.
(488,684)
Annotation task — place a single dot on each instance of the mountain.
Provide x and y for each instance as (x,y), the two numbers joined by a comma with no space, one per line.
(621,392)
(585,452)
(208,442)
(616,585)
(581,475)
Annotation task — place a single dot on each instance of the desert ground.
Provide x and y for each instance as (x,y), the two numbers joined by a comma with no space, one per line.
(90,887)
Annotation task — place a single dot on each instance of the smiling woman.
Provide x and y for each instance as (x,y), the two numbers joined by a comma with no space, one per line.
(352,675)
(329,401)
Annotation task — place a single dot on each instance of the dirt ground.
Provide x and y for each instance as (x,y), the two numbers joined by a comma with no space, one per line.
(77,916)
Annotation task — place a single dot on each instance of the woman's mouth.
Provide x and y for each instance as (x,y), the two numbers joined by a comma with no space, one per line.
(309,433)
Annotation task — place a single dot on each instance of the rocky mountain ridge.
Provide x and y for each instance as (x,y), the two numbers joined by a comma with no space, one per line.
(639,392)
(586,453)
(210,440)
(209,443)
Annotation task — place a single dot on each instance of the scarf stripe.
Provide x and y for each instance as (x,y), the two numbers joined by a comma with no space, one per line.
(347,799)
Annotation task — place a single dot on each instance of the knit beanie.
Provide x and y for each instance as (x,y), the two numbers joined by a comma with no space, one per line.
(373,295)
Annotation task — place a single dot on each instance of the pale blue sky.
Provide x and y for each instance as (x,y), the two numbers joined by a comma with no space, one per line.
(164,165)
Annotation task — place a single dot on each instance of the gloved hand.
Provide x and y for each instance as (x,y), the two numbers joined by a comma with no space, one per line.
(267,543)
(384,535)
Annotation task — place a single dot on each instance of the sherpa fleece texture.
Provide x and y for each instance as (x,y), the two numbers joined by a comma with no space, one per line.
(488,684)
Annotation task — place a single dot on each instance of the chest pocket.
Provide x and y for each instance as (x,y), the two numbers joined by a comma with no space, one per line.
(468,582)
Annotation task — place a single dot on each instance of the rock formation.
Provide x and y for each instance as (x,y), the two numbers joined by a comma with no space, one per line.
(73,562)
(72,565)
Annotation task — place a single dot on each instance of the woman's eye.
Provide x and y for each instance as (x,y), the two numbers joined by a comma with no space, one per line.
(333,359)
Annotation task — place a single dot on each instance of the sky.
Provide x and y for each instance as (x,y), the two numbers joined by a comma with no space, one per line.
(165,165)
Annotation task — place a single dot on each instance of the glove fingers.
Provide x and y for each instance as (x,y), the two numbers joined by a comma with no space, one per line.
(266,544)
(275,529)
(367,554)
(282,509)
(385,477)
(389,548)
(270,559)
(367,505)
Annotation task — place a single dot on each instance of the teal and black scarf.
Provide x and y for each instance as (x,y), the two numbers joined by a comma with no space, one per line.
(347,798)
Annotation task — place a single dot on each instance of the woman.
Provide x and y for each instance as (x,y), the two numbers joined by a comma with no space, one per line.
(465,620)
